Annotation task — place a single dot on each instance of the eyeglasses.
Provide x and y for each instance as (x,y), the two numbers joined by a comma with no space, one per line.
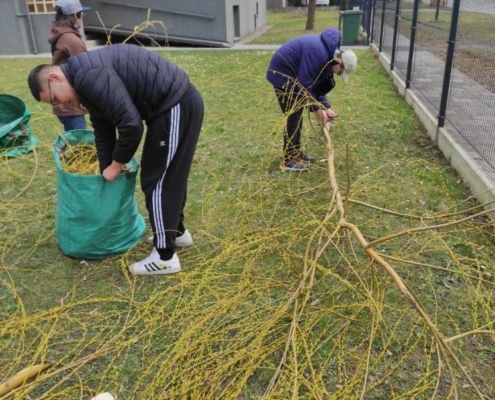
(53,102)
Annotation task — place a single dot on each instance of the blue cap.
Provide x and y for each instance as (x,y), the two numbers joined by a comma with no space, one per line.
(70,7)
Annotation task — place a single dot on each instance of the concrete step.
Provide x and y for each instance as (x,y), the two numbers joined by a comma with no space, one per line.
(94,43)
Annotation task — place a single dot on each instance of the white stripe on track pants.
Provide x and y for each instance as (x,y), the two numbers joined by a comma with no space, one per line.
(166,160)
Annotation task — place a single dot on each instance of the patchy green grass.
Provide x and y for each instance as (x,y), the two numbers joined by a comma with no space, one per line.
(292,23)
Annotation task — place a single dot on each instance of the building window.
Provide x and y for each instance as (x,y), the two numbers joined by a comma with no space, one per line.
(41,6)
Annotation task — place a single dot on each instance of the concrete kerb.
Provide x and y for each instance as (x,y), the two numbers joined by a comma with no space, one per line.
(480,185)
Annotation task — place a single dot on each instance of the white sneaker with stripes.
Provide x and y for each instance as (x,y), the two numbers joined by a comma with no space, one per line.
(153,265)
(185,240)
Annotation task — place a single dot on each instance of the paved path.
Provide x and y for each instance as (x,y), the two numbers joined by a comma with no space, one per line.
(470,119)
(479,6)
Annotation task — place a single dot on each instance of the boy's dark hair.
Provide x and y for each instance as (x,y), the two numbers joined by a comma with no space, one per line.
(34,81)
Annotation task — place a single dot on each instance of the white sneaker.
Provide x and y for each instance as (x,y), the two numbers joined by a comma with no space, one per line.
(153,265)
(185,240)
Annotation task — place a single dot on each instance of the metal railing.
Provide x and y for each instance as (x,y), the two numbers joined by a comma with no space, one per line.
(444,50)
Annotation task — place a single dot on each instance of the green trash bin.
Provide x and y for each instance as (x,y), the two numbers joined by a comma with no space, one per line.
(351,21)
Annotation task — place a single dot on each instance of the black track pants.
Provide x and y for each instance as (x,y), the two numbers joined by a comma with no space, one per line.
(292,105)
(167,156)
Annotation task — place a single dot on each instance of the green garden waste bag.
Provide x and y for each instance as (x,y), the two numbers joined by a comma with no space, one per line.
(95,218)
(15,133)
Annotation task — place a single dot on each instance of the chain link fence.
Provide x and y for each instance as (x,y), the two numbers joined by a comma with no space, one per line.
(444,50)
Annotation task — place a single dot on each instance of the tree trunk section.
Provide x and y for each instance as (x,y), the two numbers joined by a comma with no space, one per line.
(310,23)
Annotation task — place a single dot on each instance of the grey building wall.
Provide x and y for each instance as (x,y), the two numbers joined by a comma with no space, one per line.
(194,21)
(252,15)
(210,22)
(16,35)
(276,4)
(188,21)
(23,33)
(42,23)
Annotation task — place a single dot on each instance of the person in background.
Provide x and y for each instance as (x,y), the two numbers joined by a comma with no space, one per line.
(302,73)
(121,85)
(65,40)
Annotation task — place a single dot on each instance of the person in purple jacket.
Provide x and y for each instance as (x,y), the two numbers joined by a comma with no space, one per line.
(302,73)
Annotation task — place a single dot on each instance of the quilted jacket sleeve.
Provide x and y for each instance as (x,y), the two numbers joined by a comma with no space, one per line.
(111,107)
(310,68)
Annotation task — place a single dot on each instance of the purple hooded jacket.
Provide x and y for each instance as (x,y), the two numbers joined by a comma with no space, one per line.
(306,60)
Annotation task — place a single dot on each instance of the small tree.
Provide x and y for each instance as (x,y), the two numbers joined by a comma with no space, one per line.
(310,23)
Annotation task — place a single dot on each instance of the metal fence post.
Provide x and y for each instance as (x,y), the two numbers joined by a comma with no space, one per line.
(31,30)
(372,16)
(382,26)
(412,40)
(448,65)
(367,20)
(396,34)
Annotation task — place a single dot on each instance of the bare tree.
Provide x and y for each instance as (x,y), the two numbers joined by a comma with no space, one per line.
(310,23)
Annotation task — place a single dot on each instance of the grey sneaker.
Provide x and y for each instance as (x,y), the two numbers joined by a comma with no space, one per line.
(306,157)
(295,164)
(185,240)
(153,265)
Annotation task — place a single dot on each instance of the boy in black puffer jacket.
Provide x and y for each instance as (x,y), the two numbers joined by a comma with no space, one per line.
(122,85)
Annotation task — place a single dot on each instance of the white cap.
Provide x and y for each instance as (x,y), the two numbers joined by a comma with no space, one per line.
(70,7)
(349,60)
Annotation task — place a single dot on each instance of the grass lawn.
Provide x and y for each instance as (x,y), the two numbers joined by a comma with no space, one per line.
(288,24)
(277,299)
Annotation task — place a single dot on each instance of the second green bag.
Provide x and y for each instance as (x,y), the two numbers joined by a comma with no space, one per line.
(16,138)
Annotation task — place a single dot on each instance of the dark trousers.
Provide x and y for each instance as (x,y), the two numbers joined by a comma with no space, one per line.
(293,107)
(167,156)
(73,122)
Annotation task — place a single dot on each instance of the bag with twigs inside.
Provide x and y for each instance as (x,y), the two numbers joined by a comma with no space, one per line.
(16,138)
(95,218)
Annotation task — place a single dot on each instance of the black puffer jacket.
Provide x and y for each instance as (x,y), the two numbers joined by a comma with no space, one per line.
(122,85)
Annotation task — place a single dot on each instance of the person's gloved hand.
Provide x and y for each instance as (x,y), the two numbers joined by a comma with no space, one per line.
(111,172)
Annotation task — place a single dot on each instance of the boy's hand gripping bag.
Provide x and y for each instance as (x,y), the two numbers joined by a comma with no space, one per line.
(95,218)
